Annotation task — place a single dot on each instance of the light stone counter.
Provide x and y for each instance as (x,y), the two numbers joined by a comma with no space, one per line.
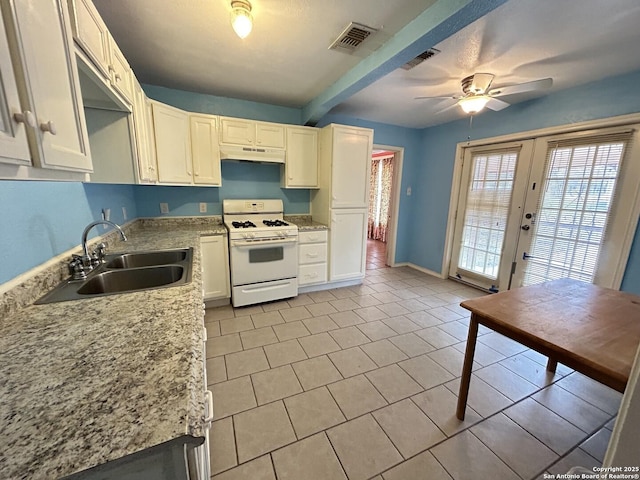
(89,381)
(304,222)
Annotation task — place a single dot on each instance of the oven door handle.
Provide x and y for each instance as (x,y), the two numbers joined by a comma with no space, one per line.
(258,243)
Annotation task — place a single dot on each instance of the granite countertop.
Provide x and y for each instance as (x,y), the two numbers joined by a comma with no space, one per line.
(305,222)
(89,381)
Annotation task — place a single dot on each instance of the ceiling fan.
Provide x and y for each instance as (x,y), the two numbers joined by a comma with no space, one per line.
(478,95)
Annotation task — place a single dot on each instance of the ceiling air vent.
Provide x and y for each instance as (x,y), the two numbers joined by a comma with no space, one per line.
(352,37)
(420,58)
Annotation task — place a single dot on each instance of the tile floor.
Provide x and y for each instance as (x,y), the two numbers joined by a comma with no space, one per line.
(361,382)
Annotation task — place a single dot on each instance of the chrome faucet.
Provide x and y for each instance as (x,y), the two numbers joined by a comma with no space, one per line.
(85,250)
(80,265)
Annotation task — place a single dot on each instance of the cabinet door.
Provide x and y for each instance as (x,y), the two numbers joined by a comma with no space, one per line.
(351,167)
(215,267)
(120,71)
(51,88)
(269,135)
(147,172)
(173,147)
(14,147)
(205,151)
(90,32)
(301,166)
(347,245)
(237,131)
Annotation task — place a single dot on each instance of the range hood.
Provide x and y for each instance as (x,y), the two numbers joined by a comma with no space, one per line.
(250,154)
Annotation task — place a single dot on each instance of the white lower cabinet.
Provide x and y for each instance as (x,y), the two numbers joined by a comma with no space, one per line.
(347,257)
(215,267)
(312,257)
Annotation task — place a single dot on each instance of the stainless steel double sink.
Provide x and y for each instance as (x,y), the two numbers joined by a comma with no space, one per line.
(128,272)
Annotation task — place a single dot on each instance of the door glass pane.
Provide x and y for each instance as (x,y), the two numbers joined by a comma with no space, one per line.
(579,188)
(486,212)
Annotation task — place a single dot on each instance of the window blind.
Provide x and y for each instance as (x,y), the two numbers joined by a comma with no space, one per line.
(486,211)
(581,175)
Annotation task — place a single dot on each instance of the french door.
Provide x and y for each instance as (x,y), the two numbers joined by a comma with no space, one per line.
(546,208)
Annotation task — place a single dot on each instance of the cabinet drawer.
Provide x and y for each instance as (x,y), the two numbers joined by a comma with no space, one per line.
(312,236)
(316,273)
(312,253)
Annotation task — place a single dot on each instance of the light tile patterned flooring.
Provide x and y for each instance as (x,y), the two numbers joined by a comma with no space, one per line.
(361,382)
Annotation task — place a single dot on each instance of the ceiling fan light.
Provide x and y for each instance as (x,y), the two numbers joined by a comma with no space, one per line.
(241,19)
(474,103)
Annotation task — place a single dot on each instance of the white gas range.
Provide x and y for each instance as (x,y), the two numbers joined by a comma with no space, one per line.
(263,251)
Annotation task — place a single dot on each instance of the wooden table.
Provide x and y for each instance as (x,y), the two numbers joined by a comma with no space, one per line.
(594,330)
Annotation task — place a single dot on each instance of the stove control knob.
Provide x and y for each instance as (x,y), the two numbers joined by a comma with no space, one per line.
(252,235)
(281,234)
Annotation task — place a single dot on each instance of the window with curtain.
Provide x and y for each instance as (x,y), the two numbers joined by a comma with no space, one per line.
(379,197)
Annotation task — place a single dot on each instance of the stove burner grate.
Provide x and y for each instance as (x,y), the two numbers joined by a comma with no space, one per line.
(245,224)
(275,223)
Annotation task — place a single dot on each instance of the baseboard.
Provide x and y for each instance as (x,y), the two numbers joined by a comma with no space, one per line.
(426,270)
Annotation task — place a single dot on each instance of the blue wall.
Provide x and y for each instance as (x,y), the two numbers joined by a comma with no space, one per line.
(601,99)
(43,219)
(239,180)
(229,107)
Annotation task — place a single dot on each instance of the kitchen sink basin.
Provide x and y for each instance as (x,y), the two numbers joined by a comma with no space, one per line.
(128,272)
(129,280)
(146,259)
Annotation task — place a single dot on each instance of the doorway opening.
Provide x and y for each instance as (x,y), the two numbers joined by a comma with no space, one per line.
(383,205)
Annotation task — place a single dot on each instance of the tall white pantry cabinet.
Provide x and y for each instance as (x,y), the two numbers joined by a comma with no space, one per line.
(343,197)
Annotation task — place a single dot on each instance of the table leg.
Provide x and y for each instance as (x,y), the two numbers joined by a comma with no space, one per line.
(466,367)
(551,365)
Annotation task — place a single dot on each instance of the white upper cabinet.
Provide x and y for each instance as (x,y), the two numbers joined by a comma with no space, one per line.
(238,131)
(93,37)
(147,169)
(351,164)
(120,71)
(173,144)
(205,151)
(186,146)
(90,33)
(48,84)
(14,147)
(301,163)
(269,135)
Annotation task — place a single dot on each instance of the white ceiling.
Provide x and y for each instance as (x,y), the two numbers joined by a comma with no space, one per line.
(189,45)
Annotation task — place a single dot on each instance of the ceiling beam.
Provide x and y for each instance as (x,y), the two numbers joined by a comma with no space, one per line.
(438,22)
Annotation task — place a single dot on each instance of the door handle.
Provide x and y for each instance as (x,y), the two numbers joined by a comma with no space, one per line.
(525,227)
(526,256)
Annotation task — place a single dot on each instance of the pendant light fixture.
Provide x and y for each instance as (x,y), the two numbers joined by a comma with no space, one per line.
(241,19)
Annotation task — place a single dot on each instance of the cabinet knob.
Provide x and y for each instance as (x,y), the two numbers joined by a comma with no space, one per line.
(49,127)
(111,68)
(25,117)
(118,77)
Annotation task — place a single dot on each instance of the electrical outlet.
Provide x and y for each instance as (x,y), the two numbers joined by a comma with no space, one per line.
(164,208)
(203,207)
(408,191)
(124,213)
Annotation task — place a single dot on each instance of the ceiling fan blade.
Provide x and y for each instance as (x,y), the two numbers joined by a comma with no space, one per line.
(446,109)
(449,97)
(522,87)
(496,105)
(481,83)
